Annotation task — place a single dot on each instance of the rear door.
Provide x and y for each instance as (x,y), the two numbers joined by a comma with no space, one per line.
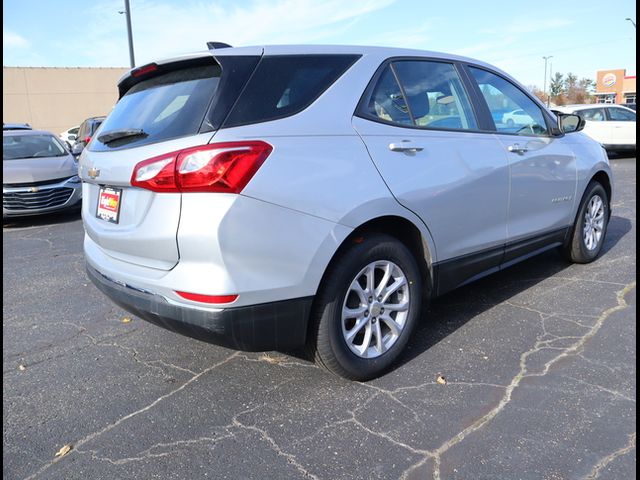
(623,125)
(597,126)
(418,124)
(543,169)
(170,107)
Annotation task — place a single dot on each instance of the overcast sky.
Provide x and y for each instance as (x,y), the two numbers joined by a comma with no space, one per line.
(582,35)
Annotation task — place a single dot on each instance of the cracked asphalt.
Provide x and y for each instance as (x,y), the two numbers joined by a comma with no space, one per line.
(539,362)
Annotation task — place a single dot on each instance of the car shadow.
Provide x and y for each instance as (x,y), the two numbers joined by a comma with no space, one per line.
(440,320)
(52,218)
(444,315)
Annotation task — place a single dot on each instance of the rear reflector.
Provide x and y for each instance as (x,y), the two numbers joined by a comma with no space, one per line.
(196,297)
(218,167)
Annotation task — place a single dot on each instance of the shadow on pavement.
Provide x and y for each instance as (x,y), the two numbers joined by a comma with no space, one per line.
(53,218)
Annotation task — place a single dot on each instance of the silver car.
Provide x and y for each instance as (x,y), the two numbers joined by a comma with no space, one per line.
(39,175)
(274,197)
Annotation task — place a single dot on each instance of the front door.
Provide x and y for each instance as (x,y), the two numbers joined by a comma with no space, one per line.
(543,169)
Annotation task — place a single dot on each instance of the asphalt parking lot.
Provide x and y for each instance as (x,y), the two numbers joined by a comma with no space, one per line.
(539,363)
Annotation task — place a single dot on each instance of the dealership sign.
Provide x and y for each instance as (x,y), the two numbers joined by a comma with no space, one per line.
(609,80)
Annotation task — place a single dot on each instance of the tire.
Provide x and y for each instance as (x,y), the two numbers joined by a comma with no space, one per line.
(586,241)
(510,123)
(378,257)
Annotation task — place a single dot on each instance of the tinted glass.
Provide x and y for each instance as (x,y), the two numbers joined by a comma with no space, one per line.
(94,125)
(167,106)
(285,85)
(435,95)
(31,146)
(592,114)
(620,115)
(387,102)
(511,109)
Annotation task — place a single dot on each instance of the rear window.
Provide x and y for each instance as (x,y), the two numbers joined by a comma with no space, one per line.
(285,85)
(31,146)
(166,106)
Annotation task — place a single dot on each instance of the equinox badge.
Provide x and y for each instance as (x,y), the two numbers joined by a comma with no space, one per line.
(93,172)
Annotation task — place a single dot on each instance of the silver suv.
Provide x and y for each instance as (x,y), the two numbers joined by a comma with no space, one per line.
(273,197)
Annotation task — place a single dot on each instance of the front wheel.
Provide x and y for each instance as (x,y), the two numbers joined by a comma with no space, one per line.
(590,226)
(366,308)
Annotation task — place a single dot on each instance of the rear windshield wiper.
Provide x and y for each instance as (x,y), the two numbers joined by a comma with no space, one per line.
(113,135)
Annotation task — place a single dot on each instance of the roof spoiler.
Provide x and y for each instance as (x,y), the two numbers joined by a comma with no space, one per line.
(216,45)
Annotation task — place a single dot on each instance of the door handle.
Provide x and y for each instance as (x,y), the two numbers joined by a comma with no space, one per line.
(404,147)
(516,148)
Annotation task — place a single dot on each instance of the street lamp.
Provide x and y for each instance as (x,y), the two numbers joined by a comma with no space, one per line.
(632,22)
(127,11)
(544,89)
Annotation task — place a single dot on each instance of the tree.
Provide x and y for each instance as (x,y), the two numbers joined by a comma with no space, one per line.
(542,96)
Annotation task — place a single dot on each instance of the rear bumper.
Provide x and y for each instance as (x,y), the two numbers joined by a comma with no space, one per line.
(277,325)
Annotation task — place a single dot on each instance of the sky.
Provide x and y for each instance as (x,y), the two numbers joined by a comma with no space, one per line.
(582,36)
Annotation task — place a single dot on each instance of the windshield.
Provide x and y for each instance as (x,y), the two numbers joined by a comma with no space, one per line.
(31,146)
(166,106)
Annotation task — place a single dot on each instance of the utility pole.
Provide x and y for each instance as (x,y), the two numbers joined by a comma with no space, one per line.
(632,22)
(544,89)
(127,12)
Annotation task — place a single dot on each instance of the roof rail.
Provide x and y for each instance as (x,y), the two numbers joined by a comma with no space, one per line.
(214,45)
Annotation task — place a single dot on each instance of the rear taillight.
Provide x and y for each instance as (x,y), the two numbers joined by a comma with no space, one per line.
(87,139)
(217,167)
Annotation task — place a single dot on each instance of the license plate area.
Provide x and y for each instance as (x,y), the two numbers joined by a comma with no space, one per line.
(109,200)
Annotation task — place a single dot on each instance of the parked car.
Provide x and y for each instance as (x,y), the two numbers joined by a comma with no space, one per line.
(516,117)
(39,175)
(85,132)
(274,197)
(614,126)
(70,135)
(16,126)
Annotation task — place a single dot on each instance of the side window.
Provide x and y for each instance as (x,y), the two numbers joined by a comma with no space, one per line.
(432,96)
(283,85)
(512,110)
(620,115)
(592,114)
(387,102)
(82,133)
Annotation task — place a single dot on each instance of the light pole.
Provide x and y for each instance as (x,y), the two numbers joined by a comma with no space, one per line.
(544,89)
(127,12)
(632,22)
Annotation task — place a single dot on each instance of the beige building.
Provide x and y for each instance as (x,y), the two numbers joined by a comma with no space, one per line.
(57,99)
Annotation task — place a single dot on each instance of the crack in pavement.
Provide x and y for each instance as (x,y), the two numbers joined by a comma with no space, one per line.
(615,393)
(574,349)
(148,453)
(595,472)
(77,444)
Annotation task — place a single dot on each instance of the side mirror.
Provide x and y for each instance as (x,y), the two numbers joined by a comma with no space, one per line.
(77,149)
(72,137)
(570,123)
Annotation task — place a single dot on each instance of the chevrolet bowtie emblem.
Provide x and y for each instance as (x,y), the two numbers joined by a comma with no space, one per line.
(34,189)
(93,172)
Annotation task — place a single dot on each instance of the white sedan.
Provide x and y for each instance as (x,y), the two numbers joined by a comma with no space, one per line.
(70,135)
(614,126)
(517,117)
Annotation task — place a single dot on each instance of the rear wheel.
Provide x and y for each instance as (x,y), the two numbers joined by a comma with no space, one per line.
(590,227)
(366,308)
